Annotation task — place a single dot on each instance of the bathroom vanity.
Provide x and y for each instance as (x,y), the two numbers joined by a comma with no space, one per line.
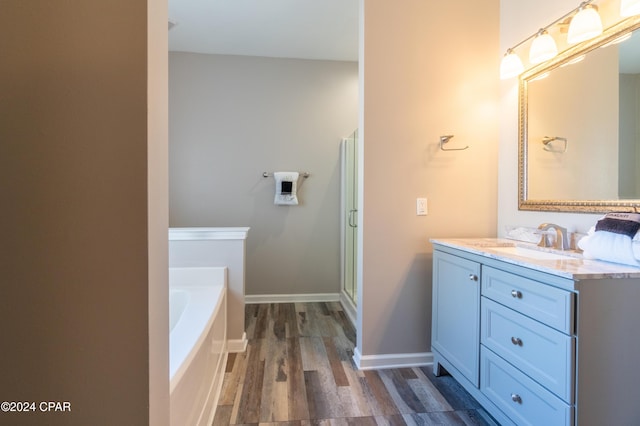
(538,337)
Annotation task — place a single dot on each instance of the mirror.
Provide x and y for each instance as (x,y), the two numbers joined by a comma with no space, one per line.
(579,148)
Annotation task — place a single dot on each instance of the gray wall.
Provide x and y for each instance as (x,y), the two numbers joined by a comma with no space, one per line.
(74,162)
(233,117)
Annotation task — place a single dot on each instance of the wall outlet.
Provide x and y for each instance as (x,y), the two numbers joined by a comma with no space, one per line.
(421,206)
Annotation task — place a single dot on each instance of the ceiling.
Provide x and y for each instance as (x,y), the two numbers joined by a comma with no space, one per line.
(306,29)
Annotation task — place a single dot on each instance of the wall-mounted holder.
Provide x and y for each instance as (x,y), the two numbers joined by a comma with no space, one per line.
(446,138)
(303,174)
(547,141)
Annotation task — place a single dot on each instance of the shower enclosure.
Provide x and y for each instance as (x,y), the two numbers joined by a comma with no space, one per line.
(349,221)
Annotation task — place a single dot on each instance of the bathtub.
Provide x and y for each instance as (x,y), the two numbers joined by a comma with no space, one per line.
(197,342)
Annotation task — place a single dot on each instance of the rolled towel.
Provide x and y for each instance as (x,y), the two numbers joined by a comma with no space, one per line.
(620,223)
(611,247)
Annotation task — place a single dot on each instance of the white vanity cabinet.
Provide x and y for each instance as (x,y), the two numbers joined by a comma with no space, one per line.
(456,313)
(538,342)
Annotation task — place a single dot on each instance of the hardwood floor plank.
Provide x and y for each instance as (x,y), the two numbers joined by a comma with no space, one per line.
(344,325)
(475,418)
(280,322)
(310,355)
(403,395)
(452,391)
(361,421)
(407,373)
(236,404)
(449,418)
(291,320)
(324,308)
(249,409)
(430,398)
(339,375)
(383,399)
(261,322)
(250,315)
(306,327)
(396,420)
(298,408)
(363,398)
(236,370)
(274,398)
(318,405)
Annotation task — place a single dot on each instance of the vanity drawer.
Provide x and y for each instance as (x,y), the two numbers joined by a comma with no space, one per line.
(520,398)
(544,354)
(542,302)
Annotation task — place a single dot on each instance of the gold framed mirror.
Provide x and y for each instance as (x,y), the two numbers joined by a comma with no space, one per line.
(579,127)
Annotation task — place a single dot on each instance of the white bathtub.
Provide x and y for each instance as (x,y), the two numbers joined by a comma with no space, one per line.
(197,342)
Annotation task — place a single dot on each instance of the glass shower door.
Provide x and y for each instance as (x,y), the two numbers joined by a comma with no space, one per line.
(350,212)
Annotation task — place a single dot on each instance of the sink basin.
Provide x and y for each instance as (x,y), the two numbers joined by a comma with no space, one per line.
(531,253)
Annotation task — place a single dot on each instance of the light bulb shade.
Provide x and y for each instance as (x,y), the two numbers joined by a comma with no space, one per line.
(629,7)
(586,24)
(510,66)
(543,48)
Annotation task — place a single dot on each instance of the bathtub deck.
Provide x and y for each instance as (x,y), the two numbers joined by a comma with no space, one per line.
(298,369)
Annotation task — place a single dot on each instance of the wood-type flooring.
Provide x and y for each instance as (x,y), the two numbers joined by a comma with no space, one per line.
(298,370)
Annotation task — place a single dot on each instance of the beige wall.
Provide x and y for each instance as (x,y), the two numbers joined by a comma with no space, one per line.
(428,69)
(234,117)
(74,163)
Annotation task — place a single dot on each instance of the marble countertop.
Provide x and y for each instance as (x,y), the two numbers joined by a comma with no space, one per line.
(572,265)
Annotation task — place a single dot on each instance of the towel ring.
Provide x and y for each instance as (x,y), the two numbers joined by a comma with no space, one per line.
(446,138)
(547,141)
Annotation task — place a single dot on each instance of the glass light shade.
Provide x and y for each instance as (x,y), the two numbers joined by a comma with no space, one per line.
(543,48)
(629,7)
(585,24)
(510,66)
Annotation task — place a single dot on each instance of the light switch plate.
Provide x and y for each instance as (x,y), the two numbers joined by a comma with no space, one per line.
(421,206)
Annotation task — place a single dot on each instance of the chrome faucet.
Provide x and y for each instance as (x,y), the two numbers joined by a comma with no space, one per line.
(561,243)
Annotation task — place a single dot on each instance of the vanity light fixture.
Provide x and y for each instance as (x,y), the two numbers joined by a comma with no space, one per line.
(543,47)
(511,65)
(584,24)
(629,8)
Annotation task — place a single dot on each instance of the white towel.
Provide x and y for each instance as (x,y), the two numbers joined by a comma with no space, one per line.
(611,247)
(286,188)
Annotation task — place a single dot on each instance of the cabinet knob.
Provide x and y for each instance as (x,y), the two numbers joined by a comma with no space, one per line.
(516,341)
(516,398)
(516,294)
(473,277)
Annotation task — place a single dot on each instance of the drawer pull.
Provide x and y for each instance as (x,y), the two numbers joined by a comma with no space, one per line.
(516,398)
(516,341)
(516,294)
(473,277)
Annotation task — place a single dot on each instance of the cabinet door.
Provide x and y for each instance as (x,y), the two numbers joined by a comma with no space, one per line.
(455,330)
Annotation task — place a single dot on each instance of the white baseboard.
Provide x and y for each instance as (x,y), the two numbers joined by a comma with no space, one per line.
(291,298)
(237,345)
(379,362)
(349,309)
